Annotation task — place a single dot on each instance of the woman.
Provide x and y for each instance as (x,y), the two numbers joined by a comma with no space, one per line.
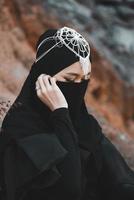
(50,146)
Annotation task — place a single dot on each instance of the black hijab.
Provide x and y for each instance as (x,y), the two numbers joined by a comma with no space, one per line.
(56,60)
(53,62)
(28,115)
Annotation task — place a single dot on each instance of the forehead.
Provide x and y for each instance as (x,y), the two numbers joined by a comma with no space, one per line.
(75,67)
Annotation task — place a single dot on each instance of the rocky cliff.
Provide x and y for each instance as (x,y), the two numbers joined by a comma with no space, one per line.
(109,28)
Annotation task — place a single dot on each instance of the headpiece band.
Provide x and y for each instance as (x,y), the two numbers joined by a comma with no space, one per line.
(73,41)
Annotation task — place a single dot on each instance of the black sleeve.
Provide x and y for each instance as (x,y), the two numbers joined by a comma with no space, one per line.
(91,187)
(70,167)
(63,126)
(116,177)
(55,155)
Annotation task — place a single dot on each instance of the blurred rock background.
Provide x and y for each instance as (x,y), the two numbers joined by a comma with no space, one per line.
(108,25)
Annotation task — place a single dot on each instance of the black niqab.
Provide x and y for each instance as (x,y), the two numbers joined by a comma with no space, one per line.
(56,60)
(53,62)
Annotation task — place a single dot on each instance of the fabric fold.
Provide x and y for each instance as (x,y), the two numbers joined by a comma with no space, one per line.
(44,150)
(34,156)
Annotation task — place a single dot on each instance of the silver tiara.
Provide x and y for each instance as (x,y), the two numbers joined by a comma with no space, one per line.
(73,41)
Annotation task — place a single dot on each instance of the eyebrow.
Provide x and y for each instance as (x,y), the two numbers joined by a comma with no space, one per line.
(73,73)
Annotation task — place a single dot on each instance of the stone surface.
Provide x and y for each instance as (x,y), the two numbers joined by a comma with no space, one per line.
(107,25)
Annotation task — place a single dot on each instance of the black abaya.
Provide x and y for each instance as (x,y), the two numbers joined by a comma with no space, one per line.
(102,170)
(60,154)
(41,158)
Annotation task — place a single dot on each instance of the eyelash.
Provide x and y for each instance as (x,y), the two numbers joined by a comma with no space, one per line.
(70,80)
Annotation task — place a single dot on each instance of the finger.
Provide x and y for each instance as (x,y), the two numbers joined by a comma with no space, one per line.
(39,93)
(37,85)
(53,81)
(46,81)
(41,84)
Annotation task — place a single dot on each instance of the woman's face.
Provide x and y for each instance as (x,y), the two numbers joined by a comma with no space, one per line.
(73,73)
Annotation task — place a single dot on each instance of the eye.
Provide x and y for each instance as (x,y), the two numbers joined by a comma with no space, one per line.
(69,79)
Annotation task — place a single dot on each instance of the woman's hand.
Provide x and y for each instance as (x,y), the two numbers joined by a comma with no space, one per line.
(49,92)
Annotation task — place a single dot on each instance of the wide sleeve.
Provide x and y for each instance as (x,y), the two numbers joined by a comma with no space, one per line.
(24,159)
(70,168)
(116,178)
(91,177)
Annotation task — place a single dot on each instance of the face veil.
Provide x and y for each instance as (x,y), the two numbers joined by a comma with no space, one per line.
(74,94)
